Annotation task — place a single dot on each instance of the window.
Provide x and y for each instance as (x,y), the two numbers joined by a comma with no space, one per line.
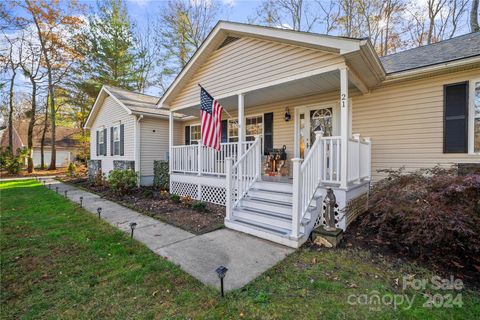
(195,134)
(253,127)
(475,116)
(455,135)
(101,146)
(116,140)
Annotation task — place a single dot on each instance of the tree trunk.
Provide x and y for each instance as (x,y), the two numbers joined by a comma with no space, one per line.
(10,112)
(474,17)
(42,142)
(31,125)
(51,93)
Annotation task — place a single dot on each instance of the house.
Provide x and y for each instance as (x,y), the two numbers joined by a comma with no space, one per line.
(66,144)
(328,105)
(127,130)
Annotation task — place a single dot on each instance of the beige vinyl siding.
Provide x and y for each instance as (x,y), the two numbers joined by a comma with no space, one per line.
(405,122)
(154,145)
(112,113)
(248,62)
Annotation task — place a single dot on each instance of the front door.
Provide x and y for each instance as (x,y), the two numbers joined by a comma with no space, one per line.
(313,119)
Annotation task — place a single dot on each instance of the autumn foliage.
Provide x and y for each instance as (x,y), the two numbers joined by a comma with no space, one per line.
(431,213)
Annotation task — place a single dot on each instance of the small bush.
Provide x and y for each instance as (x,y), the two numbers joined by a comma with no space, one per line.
(123,181)
(175,198)
(99,179)
(186,201)
(199,206)
(10,162)
(427,213)
(164,194)
(72,169)
(161,176)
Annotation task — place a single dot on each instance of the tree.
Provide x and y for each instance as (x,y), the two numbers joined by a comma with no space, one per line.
(56,24)
(474,17)
(109,48)
(11,65)
(31,60)
(297,15)
(182,27)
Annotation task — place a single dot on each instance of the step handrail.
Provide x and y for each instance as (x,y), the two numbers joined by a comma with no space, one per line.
(241,175)
(307,176)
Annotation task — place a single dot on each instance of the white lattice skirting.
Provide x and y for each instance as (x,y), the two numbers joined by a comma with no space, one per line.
(201,192)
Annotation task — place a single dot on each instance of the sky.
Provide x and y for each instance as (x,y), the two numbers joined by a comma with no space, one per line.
(240,9)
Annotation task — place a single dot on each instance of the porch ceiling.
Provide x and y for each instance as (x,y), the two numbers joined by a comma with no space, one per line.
(316,84)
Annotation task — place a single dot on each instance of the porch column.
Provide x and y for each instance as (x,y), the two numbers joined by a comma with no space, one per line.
(170,140)
(241,124)
(344,124)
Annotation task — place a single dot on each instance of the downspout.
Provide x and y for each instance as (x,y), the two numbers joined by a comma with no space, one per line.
(137,147)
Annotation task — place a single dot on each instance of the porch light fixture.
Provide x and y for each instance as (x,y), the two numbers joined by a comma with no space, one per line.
(99,211)
(221,272)
(81,202)
(132,228)
(288,116)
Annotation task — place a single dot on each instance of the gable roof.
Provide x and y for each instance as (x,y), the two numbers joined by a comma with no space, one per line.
(351,48)
(133,102)
(453,49)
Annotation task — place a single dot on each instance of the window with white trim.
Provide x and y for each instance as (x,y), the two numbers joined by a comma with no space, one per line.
(253,127)
(116,140)
(195,134)
(101,142)
(475,114)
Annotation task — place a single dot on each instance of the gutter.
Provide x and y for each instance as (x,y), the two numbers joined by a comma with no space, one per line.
(403,75)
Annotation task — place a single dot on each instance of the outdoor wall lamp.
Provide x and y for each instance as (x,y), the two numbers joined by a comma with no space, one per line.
(221,272)
(288,116)
(132,227)
(99,211)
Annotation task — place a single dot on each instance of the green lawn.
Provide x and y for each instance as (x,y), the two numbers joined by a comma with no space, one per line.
(57,261)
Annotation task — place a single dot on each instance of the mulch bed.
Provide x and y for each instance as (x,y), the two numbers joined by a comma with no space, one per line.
(357,237)
(147,201)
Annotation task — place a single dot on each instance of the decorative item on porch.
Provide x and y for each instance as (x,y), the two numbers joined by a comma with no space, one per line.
(328,235)
(276,163)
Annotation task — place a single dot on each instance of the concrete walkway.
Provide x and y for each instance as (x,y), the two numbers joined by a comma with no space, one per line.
(245,256)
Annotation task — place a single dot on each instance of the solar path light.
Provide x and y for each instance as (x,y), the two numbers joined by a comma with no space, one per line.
(99,211)
(133,225)
(221,272)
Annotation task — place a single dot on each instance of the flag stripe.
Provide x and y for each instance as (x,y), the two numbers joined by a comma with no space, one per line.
(211,115)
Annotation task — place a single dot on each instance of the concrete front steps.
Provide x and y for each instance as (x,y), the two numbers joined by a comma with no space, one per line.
(266,212)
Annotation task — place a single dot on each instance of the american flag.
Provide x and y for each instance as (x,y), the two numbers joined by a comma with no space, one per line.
(211,114)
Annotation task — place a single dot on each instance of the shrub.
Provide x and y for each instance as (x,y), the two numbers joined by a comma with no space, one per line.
(164,194)
(175,198)
(123,181)
(427,213)
(186,201)
(72,169)
(161,176)
(9,161)
(99,179)
(199,206)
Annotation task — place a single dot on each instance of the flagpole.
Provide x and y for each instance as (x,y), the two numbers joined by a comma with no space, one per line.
(228,114)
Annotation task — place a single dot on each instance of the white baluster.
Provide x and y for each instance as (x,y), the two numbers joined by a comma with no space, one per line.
(296,203)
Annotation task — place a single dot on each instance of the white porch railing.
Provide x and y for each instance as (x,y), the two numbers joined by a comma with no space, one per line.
(241,175)
(322,165)
(200,159)
(359,158)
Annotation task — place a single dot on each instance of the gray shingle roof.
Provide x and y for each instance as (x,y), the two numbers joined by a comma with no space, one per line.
(139,102)
(453,49)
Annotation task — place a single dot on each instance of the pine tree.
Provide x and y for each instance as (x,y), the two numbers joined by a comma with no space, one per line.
(109,48)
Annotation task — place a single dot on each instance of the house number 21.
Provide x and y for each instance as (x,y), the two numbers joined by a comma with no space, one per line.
(344,100)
